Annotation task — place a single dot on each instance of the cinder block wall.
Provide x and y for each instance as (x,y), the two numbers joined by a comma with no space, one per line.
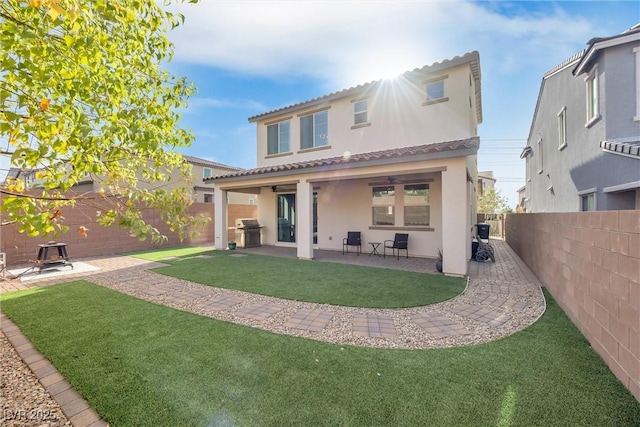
(100,240)
(590,263)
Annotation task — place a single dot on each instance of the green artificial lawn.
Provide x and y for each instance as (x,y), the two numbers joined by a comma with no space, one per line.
(140,364)
(302,280)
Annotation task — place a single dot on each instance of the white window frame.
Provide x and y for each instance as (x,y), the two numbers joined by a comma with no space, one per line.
(636,50)
(378,203)
(592,87)
(204,173)
(412,202)
(360,114)
(282,145)
(592,192)
(440,80)
(527,161)
(316,142)
(207,196)
(562,128)
(539,156)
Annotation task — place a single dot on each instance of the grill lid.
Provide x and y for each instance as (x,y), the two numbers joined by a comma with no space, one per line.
(244,223)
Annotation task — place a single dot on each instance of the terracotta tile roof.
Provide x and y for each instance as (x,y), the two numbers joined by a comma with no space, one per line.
(473,58)
(440,149)
(204,162)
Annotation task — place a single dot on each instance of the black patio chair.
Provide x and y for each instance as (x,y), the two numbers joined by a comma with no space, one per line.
(352,239)
(399,242)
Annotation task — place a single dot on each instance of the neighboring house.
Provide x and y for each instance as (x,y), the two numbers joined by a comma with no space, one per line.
(390,156)
(486,182)
(200,170)
(583,151)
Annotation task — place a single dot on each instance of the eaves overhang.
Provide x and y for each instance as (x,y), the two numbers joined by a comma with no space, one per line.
(441,150)
(526,151)
(471,58)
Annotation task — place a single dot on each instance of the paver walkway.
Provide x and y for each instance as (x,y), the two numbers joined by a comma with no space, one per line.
(501,298)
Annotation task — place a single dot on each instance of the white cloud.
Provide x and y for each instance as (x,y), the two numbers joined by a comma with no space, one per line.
(352,42)
(199,104)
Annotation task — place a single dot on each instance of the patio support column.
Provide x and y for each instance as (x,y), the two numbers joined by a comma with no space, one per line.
(304,232)
(220,218)
(454,218)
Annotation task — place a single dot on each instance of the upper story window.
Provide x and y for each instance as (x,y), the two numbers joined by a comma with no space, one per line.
(593,107)
(539,156)
(206,173)
(636,50)
(562,128)
(383,209)
(360,112)
(314,130)
(279,137)
(435,90)
(416,205)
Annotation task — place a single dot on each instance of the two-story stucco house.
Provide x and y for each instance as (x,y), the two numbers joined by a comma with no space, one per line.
(583,150)
(390,156)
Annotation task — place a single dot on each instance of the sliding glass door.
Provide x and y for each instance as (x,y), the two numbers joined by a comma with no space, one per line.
(287,218)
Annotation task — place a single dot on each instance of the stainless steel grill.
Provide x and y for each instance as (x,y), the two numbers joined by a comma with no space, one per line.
(248,233)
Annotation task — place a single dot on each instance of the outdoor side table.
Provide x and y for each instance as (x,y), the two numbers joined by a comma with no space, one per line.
(374,248)
(45,262)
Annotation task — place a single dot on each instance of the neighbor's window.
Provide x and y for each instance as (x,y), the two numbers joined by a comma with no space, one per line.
(539,156)
(206,173)
(562,128)
(279,137)
(591,82)
(528,168)
(208,198)
(384,205)
(360,115)
(588,202)
(416,205)
(314,130)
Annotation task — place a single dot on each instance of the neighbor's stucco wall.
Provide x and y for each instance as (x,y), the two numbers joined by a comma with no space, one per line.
(582,165)
(396,115)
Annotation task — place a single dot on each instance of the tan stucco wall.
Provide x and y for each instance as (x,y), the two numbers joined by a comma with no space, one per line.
(397,117)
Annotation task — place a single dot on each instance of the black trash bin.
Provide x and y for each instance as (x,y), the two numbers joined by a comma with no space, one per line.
(483,230)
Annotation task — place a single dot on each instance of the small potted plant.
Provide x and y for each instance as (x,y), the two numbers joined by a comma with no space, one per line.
(232,246)
(439,261)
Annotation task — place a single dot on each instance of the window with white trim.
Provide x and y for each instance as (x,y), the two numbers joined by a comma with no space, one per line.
(314,130)
(636,50)
(208,198)
(416,205)
(206,173)
(279,137)
(539,157)
(435,90)
(360,112)
(383,205)
(588,202)
(562,128)
(527,168)
(593,107)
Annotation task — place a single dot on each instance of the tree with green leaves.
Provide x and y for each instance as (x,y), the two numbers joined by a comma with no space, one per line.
(492,202)
(83,94)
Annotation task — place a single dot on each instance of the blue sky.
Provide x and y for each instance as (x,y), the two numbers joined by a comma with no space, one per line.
(248,57)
